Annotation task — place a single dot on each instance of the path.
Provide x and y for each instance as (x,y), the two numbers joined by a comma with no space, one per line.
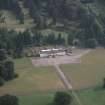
(67,83)
(63,77)
(81,54)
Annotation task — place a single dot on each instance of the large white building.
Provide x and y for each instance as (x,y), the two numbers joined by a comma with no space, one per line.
(52,52)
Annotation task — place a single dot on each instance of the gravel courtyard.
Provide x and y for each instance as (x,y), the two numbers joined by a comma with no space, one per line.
(71,59)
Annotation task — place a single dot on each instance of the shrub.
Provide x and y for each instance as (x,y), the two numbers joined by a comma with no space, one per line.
(1,81)
(9,100)
(91,43)
(62,98)
(16,75)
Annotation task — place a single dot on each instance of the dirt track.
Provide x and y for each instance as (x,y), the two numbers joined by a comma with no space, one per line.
(67,83)
(63,77)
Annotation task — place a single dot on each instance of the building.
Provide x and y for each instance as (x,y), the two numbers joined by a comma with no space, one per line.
(52,52)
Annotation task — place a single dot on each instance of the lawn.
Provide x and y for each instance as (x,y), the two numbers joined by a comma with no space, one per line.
(90,72)
(40,98)
(13,23)
(37,98)
(32,79)
(92,97)
(49,31)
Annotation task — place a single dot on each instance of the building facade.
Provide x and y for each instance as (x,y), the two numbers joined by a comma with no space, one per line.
(52,52)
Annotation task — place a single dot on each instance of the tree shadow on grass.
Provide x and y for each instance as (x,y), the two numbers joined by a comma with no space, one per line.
(99,88)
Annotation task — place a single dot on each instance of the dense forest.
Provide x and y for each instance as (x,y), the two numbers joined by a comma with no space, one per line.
(83,20)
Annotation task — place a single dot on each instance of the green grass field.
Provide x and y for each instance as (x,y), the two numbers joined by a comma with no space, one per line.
(92,96)
(36,86)
(87,97)
(87,74)
(32,79)
(37,98)
(40,98)
(90,72)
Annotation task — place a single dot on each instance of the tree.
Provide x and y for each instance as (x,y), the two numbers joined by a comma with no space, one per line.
(21,17)
(2,54)
(27,39)
(104,83)
(60,40)
(91,43)
(19,44)
(51,39)
(9,70)
(101,1)
(37,38)
(87,1)
(9,100)
(1,81)
(7,40)
(62,98)
(70,38)
(1,69)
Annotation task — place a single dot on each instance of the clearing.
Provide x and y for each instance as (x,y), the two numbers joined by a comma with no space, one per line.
(40,83)
(12,23)
(32,79)
(90,72)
